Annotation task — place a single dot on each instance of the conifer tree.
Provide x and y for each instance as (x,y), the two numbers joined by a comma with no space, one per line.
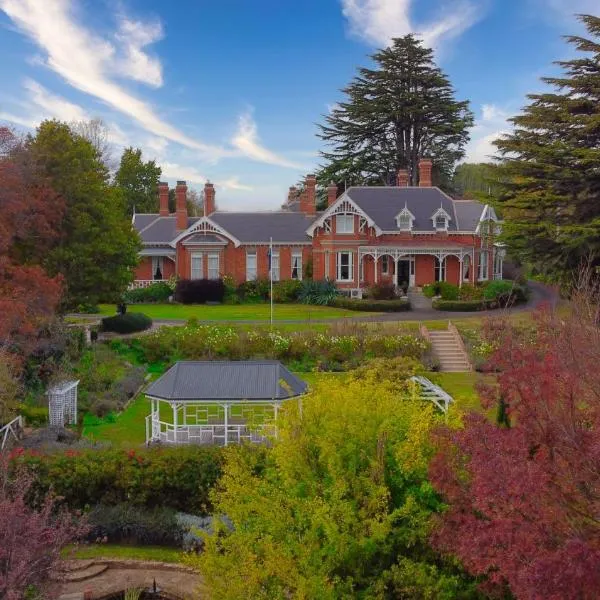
(138,180)
(401,109)
(551,161)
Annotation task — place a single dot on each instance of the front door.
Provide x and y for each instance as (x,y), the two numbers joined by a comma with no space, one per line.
(405,273)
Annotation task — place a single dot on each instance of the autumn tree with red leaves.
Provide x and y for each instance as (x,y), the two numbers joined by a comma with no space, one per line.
(524,499)
(30,539)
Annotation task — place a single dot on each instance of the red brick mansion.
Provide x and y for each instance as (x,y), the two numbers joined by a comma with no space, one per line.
(408,236)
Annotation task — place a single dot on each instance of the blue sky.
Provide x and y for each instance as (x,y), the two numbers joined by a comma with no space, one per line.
(231,91)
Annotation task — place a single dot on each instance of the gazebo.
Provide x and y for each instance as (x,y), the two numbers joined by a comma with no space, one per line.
(219,402)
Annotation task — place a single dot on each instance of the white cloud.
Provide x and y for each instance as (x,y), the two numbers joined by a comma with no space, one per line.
(88,63)
(134,37)
(247,142)
(378,21)
(18,120)
(492,123)
(52,105)
(192,175)
(233,183)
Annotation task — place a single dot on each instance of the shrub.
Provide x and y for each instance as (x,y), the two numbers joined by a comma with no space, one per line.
(318,292)
(448,291)
(88,309)
(127,523)
(382,291)
(431,289)
(127,323)
(396,305)
(505,291)
(230,294)
(179,478)
(35,416)
(199,291)
(286,291)
(459,305)
(157,292)
(470,292)
(256,290)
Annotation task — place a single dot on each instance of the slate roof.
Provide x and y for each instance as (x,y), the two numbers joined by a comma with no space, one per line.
(382,204)
(227,380)
(154,229)
(282,226)
(468,213)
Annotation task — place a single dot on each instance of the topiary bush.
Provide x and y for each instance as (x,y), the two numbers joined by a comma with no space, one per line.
(321,292)
(156,292)
(396,305)
(199,291)
(127,323)
(286,290)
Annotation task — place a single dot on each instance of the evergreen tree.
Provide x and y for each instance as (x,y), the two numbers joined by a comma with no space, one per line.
(551,162)
(477,181)
(97,247)
(138,181)
(400,110)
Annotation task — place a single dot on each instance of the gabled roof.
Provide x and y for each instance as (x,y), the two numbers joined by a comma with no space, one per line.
(154,229)
(468,214)
(383,204)
(282,226)
(227,380)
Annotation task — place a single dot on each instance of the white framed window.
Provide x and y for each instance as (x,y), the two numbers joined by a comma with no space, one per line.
(440,269)
(466,268)
(483,265)
(385,264)
(157,268)
(498,259)
(297,265)
(344,223)
(404,221)
(213,265)
(275,265)
(344,266)
(196,271)
(441,222)
(251,265)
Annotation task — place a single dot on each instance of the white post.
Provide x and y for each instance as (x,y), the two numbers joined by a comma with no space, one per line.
(271,275)
(275,409)
(226,423)
(176,437)
(375,265)
(460,271)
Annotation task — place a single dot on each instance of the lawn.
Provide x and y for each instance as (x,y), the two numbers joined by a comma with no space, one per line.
(462,387)
(158,553)
(236,312)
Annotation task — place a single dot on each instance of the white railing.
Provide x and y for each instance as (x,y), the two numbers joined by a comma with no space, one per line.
(143,283)
(12,429)
(217,434)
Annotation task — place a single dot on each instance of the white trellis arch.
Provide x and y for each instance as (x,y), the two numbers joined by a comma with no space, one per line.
(62,404)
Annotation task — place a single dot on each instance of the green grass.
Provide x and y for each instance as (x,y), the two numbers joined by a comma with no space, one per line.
(462,387)
(236,312)
(159,553)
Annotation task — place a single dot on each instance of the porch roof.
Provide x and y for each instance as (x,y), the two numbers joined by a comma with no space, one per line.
(207,381)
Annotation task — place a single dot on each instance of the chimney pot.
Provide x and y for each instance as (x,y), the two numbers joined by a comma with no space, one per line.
(308,197)
(163,198)
(209,199)
(332,191)
(402,178)
(425,167)
(181,214)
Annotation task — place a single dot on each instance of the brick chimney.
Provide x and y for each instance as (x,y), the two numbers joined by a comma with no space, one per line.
(331,193)
(308,197)
(402,178)
(181,205)
(163,198)
(209,199)
(425,166)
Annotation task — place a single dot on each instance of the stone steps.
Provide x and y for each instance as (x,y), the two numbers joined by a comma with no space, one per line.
(78,570)
(449,352)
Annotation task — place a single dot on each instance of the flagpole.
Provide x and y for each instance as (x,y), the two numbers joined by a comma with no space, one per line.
(271,276)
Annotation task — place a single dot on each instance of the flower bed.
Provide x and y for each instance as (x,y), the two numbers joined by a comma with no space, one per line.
(303,351)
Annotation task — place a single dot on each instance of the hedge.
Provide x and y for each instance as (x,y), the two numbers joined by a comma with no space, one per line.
(459,305)
(372,305)
(176,478)
(199,291)
(127,323)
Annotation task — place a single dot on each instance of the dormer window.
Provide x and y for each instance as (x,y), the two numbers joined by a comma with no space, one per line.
(405,219)
(440,220)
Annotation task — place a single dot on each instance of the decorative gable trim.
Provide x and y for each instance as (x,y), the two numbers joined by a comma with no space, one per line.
(440,212)
(405,213)
(487,214)
(343,205)
(205,225)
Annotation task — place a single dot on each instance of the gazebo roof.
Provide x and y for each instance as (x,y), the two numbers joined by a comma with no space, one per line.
(227,380)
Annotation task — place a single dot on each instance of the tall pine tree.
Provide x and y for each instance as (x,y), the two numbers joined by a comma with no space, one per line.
(138,181)
(551,162)
(400,110)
